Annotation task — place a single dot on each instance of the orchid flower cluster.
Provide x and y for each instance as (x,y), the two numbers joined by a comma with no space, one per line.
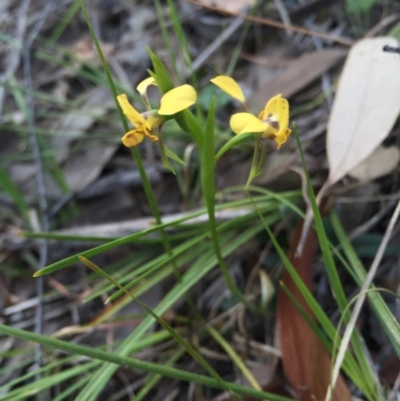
(272,122)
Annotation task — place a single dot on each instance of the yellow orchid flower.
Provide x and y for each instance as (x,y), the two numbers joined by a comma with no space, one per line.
(272,122)
(143,126)
(172,102)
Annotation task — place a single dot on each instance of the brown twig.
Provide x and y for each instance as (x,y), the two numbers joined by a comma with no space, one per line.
(277,24)
(390,19)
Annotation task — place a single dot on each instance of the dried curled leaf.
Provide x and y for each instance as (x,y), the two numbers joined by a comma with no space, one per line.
(367,104)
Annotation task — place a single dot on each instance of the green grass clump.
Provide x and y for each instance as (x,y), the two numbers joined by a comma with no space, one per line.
(183,252)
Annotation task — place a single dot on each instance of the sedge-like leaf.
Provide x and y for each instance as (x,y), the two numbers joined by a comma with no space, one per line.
(161,74)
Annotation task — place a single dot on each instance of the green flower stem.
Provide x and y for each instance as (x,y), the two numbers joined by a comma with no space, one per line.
(156,213)
(135,153)
(153,205)
(138,160)
(208,184)
(164,83)
(257,164)
(137,364)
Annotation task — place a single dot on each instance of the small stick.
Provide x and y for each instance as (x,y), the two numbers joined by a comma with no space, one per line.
(277,24)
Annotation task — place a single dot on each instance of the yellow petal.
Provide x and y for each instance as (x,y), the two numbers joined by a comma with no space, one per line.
(153,138)
(177,99)
(133,138)
(229,86)
(133,115)
(281,139)
(242,123)
(142,87)
(276,114)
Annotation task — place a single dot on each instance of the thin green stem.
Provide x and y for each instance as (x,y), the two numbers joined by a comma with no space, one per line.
(136,156)
(208,184)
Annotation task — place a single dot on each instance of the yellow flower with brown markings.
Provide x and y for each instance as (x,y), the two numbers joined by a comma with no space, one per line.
(172,102)
(143,123)
(272,122)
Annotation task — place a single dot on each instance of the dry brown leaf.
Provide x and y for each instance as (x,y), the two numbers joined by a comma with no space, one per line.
(270,61)
(381,162)
(84,166)
(73,126)
(300,72)
(92,105)
(127,227)
(306,363)
(366,106)
(232,6)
